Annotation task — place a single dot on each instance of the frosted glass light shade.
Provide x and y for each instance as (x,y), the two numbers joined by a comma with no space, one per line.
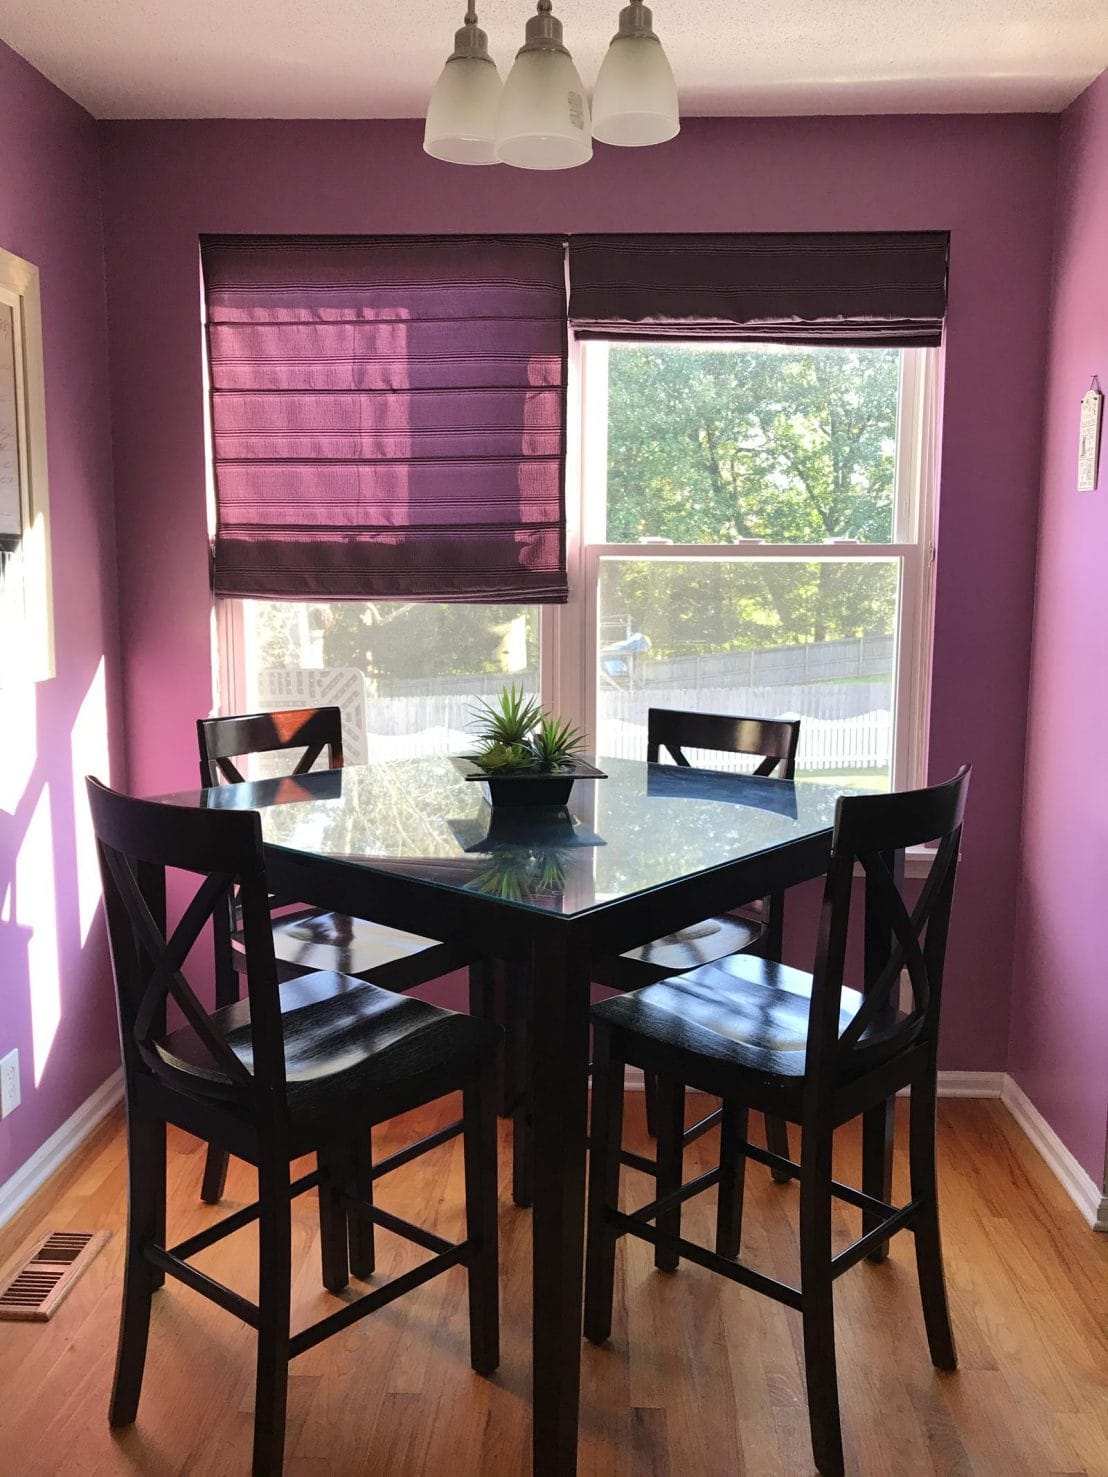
(543,119)
(635,98)
(461,115)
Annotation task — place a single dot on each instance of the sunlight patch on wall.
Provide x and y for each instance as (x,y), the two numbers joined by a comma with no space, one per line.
(17,707)
(89,755)
(35,910)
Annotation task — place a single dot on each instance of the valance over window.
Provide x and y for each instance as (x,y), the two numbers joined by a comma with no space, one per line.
(388,417)
(853,290)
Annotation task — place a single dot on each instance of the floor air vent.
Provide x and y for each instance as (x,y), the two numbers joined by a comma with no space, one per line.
(40,1281)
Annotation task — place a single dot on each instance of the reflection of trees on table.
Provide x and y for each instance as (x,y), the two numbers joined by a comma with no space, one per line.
(401,808)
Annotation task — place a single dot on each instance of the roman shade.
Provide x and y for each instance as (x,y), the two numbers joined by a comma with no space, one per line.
(853,290)
(388,417)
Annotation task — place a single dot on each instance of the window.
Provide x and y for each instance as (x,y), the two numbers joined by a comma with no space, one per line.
(751,532)
(755,536)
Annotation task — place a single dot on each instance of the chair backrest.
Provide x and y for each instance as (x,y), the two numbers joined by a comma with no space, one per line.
(871,830)
(138,841)
(774,740)
(223,740)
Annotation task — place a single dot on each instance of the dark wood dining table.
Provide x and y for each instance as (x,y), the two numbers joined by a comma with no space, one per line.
(641,853)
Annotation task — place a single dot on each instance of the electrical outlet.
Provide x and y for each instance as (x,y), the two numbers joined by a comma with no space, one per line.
(9,1083)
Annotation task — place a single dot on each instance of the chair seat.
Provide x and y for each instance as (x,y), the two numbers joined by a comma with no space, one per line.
(343,1037)
(700,944)
(741,1011)
(332,943)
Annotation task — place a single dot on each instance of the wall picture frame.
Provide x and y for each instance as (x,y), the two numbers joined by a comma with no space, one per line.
(26,597)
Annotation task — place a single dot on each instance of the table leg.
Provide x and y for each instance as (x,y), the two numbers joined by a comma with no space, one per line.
(560,1039)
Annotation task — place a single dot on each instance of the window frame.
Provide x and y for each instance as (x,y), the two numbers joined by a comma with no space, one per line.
(569,642)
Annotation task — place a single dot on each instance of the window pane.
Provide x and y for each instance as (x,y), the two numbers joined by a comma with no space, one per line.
(709,445)
(406,676)
(754,638)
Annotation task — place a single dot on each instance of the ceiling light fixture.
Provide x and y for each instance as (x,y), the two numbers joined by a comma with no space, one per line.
(461,115)
(539,118)
(635,99)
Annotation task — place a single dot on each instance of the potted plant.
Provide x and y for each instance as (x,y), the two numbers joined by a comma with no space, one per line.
(527,756)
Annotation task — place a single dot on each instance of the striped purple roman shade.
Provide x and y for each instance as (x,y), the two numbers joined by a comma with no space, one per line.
(388,417)
(882,288)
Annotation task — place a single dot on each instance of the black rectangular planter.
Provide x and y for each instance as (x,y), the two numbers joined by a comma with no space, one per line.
(531,786)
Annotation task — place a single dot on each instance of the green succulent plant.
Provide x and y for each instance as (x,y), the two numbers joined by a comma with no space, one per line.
(554,741)
(517,735)
(509,720)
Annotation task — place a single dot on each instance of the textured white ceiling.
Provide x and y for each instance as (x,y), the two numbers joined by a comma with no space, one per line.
(369,59)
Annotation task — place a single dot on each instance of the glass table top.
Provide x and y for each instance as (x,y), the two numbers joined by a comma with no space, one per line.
(643,826)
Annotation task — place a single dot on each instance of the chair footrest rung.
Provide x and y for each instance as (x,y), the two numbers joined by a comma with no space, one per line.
(705,1125)
(770,1159)
(676,1197)
(235,1222)
(208,1287)
(782,1292)
(858,1198)
(399,1227)
(370,1302)
(900,1220)
(413,1151)
(640,1162)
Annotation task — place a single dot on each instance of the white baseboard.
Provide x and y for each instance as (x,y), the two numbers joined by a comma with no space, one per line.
(1078,1184)
(971,1084)
(16,1191)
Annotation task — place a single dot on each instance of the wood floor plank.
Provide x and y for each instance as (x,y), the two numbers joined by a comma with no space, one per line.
(701,1378)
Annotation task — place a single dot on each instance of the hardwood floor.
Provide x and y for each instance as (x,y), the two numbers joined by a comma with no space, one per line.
(701,1377)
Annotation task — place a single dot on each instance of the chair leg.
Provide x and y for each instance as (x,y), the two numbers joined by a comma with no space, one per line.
(274,1282)
(818,1312)
(650,1097)
(214,1182)
(360,1229)
(479,1135)
(335,1174)
(519,1055)
(668,1174)
(877,1165)
(777,1142)
(145,1227)
(605,1139)
(227,988)
(734,1127)
(929,1252)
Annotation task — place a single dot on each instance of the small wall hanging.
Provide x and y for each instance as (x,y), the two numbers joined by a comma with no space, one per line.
(1088,449)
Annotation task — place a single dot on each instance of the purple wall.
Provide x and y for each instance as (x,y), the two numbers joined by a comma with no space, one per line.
(990,180)
(55,995)
(1059,1040)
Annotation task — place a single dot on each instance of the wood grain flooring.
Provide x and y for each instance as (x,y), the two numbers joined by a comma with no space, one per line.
(701,1379)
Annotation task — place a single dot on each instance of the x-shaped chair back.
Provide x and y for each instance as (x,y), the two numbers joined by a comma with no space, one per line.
(773,740)
(871,830)
(223,740)
(138,842)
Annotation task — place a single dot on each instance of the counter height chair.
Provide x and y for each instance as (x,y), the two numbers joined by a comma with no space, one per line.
(300,1067)
(807,1049)
(307,939)
(757,928)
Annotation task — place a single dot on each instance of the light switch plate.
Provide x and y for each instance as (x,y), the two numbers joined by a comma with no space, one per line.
(9,1083)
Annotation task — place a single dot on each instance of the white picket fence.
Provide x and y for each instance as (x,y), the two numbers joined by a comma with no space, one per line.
(843,726)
